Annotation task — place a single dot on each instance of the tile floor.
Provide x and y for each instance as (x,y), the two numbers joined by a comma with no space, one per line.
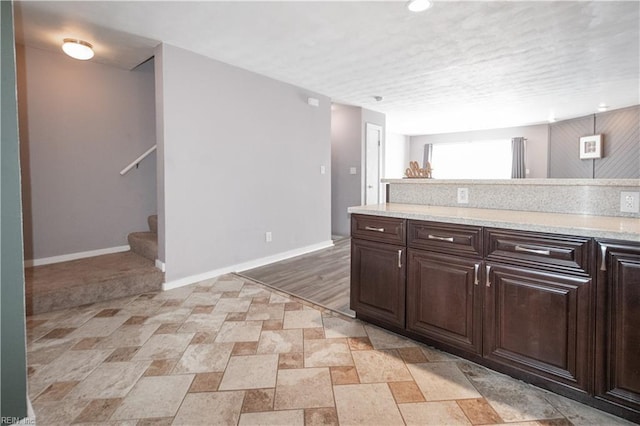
(230,351)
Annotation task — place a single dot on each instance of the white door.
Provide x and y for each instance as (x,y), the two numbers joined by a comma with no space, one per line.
(373,140)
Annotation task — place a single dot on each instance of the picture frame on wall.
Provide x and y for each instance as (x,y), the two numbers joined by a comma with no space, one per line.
(590,147)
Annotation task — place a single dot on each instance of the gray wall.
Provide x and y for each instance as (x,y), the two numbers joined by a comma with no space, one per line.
(564,158)
(346,152)
(348,134)
(396,155)
(241,156)
(80,124)
(159,99)
(621,145)
(537,144)
(12,317)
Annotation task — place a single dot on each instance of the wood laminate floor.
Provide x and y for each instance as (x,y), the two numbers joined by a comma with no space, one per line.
(321,277)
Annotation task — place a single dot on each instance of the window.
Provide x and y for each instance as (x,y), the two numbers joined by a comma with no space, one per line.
(472,160)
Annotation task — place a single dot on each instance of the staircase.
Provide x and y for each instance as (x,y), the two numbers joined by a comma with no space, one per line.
(146,243)
(96,279)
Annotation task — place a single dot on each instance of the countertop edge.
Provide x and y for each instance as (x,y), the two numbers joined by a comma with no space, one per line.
(542,182)
(594,232)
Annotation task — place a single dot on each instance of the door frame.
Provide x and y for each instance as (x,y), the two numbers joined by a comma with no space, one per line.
(375,127)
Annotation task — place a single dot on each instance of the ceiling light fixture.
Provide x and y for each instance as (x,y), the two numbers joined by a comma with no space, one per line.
(602,107)
(419,5)
(77,49)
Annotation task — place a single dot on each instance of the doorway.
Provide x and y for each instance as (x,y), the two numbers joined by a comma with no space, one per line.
(373,164)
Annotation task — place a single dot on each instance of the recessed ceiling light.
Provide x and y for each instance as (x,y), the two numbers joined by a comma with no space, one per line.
(602,107)
(419,5)
(552,119)
(77,49)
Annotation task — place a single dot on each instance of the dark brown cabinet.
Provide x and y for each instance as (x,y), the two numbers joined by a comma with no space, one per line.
(378,271)
(538,305)
(559,311)
(538,322)
(618,324)
(442,301)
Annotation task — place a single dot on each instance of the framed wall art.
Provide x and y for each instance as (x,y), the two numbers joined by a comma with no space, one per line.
(590,147)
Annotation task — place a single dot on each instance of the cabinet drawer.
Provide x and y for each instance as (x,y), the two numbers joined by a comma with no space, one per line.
(445,238)
(548,251)
(377,228)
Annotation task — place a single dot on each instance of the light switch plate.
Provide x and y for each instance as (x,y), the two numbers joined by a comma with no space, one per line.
(352,171)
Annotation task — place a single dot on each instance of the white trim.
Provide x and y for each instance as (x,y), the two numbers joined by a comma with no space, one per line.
(246,265)
(160,265)
(74,256)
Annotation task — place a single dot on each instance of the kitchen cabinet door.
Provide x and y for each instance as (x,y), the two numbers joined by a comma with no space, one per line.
(618,325)
(539,323)
(378,281)
(444,299)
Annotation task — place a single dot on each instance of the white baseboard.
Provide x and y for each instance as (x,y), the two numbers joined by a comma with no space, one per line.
(74,256)
(246,265)
(160,265)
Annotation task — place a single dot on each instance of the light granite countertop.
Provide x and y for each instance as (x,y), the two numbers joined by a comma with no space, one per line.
(532,182)
(619,228)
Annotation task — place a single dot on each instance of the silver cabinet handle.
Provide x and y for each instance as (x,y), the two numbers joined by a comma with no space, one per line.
(475,271)
(603,251)
(371,228)
(400,258)
(534,251)
(488,282)
(435,237)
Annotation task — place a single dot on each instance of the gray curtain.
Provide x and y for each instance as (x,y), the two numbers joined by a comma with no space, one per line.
(428,148)
(518,169)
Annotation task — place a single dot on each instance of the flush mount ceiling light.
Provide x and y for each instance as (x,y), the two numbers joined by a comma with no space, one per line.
(418,5)
(602,107)
(77,49)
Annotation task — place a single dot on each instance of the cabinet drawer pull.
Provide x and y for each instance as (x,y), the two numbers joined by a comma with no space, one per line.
(435,237)
(371,228)
(534,251)
(603,251)
(488,282)
(475,270)
(399,258)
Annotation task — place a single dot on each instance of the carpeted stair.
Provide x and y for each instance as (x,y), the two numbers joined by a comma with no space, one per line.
(96,279)
(146,243)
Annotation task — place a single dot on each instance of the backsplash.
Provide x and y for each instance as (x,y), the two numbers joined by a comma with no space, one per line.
(600,197)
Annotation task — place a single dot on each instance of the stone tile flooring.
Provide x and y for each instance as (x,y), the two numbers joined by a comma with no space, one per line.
(230,351)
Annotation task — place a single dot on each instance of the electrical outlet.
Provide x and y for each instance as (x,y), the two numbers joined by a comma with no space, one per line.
(630,202)
(463,195)
(268,237)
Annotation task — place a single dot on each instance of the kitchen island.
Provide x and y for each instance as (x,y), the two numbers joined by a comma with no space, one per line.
(552,298)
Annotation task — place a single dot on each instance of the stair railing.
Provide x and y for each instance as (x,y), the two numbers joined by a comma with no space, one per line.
(137,161)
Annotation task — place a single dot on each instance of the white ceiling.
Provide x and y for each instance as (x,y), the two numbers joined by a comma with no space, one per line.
(458,66)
